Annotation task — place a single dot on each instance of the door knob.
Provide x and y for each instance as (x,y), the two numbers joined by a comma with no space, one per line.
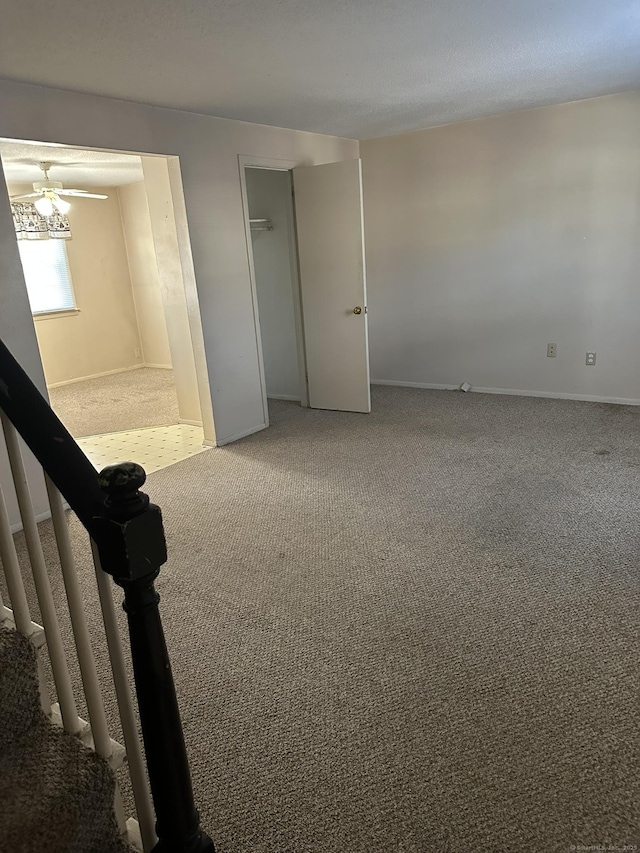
(357,310)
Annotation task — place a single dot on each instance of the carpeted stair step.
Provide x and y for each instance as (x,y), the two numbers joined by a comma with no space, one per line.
(55,794)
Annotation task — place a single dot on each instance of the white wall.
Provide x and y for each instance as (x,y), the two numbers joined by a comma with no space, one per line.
(208,149)
(145,282)
(18,333)
(269,197)
(488,239)
(103,336)
(172,286)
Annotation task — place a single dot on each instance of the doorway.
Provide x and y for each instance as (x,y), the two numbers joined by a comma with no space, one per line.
(309,285)
(104,281)
(274,263)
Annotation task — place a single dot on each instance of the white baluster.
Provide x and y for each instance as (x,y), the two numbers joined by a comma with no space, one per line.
(135,761)
(18,597)
(59,667)
(93,695)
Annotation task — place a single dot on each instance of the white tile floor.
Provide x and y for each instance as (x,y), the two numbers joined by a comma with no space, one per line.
(153,447)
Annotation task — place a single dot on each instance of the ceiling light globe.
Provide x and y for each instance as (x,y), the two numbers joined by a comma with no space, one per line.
(44,206)
(62,205)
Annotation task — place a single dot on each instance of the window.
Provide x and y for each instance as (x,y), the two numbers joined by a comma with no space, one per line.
(46,271)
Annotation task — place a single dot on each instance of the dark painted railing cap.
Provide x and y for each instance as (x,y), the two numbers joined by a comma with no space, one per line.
(122,478)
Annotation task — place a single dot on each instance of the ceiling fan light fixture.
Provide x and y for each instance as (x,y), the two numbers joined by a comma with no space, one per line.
(48,194)
(62,205)
(44,206)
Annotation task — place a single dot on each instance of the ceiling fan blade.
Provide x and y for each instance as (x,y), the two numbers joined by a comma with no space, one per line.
(80,194)
(25,197)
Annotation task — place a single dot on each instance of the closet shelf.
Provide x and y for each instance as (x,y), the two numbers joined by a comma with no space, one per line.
(261,224)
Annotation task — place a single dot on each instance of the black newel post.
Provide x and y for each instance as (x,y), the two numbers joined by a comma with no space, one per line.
(132,548)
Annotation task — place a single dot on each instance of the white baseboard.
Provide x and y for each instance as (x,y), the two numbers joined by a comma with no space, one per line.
(220,442)
(514,392)
(432,386)
(133,835)
(95,376)
(190,423)
(560,395)
(291,397)
(42,516)
(157,366)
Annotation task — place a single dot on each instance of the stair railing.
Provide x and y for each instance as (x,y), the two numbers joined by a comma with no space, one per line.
(128,543)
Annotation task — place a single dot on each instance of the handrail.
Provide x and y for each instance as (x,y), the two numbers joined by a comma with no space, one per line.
(49,440)
(129,535)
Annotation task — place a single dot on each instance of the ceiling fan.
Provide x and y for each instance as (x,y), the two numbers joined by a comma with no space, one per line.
(48,194)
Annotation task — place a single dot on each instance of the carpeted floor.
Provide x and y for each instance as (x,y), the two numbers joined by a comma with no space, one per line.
(55,793)
(414,630)
(137,398)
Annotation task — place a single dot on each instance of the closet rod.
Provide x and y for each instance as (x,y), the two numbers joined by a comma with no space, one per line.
(261,224)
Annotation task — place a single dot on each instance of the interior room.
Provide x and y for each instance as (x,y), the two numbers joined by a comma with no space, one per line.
(385,257)
(100,315)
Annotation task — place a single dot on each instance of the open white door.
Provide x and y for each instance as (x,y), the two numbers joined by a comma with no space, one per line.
(330,228)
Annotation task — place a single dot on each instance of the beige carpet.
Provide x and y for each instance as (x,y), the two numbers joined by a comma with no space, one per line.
(409,631)
(55,793)
(137,398)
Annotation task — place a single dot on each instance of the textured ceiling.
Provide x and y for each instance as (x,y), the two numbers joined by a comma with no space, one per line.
(358,68)
(77,167)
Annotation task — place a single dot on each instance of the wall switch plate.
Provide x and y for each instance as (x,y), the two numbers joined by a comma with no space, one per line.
(591,358)
(551,350)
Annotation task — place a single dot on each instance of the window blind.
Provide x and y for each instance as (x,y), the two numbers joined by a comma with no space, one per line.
(46,271)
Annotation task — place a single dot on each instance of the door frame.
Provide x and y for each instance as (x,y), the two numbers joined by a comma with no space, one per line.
(253,162)
(177,208)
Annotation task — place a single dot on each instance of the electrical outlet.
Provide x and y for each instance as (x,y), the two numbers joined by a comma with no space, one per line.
(137,353)
(591,358)
(551,350)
